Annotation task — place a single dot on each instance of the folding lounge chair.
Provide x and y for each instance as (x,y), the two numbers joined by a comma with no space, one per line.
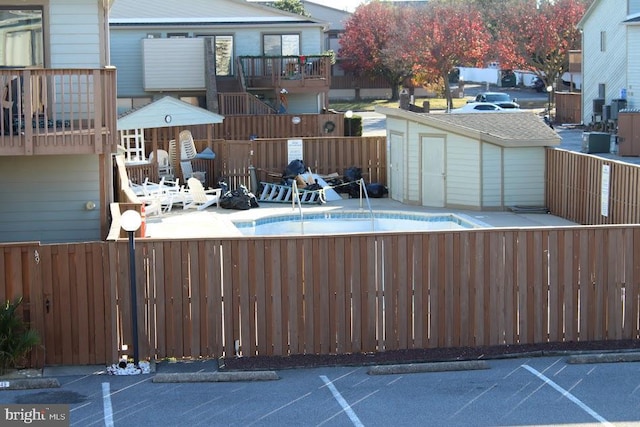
(188,172)
(199,198)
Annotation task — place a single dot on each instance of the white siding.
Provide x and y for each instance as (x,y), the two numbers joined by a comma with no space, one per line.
(491,176)
(463,171)
(303,103)
(45,198)
(74,27)
(412,166)
(524,176)
(633,89)
(187,73)
(608,67)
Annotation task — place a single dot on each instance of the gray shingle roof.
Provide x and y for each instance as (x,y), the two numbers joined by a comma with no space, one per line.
(509,129)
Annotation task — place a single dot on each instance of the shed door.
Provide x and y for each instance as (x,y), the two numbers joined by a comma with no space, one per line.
(396,165)
(433,171)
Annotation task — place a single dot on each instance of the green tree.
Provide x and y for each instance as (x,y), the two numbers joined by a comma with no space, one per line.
(293,6)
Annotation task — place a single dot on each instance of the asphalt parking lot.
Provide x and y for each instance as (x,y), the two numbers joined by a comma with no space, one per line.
(519,391)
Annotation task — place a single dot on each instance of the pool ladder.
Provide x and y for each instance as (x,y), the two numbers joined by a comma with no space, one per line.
(296,198)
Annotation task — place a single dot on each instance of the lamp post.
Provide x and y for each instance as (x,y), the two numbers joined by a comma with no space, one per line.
(130,221)
(549,90)
(349,114)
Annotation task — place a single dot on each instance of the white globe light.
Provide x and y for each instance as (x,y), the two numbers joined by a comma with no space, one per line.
(130,220)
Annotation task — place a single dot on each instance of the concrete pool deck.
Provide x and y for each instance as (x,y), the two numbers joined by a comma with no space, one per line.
(217,222)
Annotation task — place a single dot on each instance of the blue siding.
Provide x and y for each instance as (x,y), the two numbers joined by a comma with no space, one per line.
(45,197)
(126,55)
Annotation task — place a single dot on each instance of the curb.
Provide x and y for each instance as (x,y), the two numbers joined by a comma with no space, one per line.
(198,377)
(30,383)
(604,358)
(428,367)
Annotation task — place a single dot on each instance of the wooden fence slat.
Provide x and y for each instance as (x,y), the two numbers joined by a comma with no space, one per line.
(332,294)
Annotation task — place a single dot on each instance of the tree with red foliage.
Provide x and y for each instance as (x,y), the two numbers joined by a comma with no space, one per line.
(445,35)
(537,36)
(373,38)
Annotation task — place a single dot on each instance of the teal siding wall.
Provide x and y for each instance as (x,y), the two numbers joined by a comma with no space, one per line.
(44,199)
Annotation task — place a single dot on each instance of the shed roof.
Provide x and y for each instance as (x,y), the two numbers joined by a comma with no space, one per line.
(506,129)
(165,112)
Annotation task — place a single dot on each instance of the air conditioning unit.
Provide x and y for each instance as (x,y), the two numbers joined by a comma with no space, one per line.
(597,105)
(616,106)
(596,142)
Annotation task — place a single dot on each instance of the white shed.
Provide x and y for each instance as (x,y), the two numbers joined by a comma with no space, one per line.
(467,161)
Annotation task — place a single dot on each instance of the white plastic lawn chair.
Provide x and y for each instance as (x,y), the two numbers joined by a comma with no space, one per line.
(199,198)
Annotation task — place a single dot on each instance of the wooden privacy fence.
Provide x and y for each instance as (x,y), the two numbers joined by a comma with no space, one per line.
(568,107)
(244,127)
(574,188)
(324,155)
(328,294)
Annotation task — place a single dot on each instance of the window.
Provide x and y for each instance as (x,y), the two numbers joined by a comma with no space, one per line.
(224,54)
(603,41)
(177,35)
(281,44)
(21,37)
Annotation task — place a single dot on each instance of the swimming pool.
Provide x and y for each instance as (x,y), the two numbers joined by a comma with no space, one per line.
(353,222)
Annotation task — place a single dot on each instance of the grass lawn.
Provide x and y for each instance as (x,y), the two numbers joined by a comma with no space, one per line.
(370,104)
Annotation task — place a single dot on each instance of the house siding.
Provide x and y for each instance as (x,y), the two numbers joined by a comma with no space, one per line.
(126,55)
(523,176)
(608,67)
(491,176)
(48,195)
(633,90)
(412,166)
(463,171)
(74,31)
(126,50)
(186,74)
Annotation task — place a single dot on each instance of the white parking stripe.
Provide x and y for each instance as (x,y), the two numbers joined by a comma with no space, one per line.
(568,395)
(106,404)
(345,406)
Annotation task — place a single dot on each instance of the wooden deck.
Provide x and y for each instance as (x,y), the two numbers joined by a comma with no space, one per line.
(57,111)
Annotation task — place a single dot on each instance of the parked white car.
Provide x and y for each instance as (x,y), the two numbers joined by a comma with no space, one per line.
(478,107)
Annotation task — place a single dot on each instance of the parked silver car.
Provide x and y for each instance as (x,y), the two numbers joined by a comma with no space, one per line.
(503,100)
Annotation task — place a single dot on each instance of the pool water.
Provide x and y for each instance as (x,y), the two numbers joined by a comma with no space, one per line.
(330,223)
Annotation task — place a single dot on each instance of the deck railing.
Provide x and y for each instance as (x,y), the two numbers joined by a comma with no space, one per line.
(57,111)
(242,103)
(278,71)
